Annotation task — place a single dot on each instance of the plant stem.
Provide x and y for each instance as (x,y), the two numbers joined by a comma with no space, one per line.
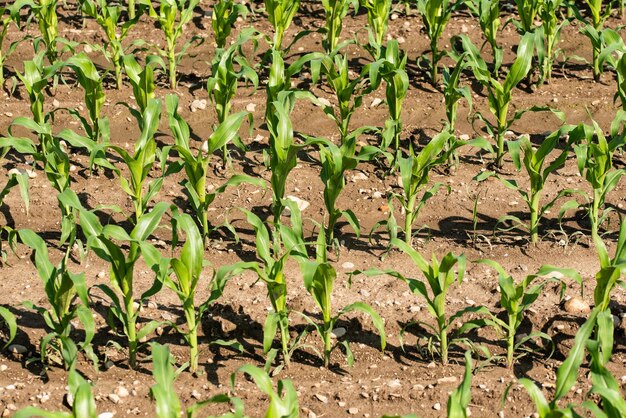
(534,217)
(510,345)
(443,339)
(190,315)
(409,219)
(131,9)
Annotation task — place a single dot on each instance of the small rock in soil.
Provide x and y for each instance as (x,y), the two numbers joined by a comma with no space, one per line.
(449,379)
(576,305)
(324,101)
(122,392)
(321,398)
(198,105)
(17,349)
(114,398)
(437,406)
(395,383)
(3,367)
(353,411)
(251,107)
(302,204)
(347,265)
(358,176)
(338,332)
(377,101)
(106,415)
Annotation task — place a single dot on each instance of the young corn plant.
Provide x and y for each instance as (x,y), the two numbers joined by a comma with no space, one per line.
(168,404)
(35,79)
(228,68)
(611,269)
(108,17)
(527,11)
(97,131)
(196,165)
(271,270)
(620,79)
(440,275)
(187,269)
(280,14)
(435,16)
(604,384)
(61,288)
(172,16)
(548,36)
(335,11)
(392,69)
(500,94)
(225,14)
(516,299)
(348,92)
(414,172)
(532,159)
(45,12)
(594,154)
(141,162)
(8,320)
(453,93)
(319,279)
(106,243)
(142,81)
(283,402)
(83,405)
(599,37)
(566,375)
(7,18)
(378,22)
(19,179)
(488,13)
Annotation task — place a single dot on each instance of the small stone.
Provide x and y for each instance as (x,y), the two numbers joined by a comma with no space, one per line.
(321,398)
(3,368)
(394,16)
(395,383)
(384,209)
(576,305)
(195,394)
(338,332)
(122,392)
(101,275)
(431,365)
(437,406)
(301,204)
(347,265)
(464,137)
(449,379)
(464,29)
(55,103)
(401,39)
(377,195)
(501,414)
(205,147)
(152,305)
(44,397)
(198,105)
(377,101)
(106,415)
(353,410)
(365,293)
(88,49)
(251,107)
(358,177)
(17,349)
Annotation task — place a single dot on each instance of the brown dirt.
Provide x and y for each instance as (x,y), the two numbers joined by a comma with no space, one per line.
(396,381)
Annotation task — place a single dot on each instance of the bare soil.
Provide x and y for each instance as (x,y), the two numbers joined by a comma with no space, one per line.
(400,380)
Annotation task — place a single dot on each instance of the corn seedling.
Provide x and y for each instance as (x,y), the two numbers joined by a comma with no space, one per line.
(141,162)
(102,240)
(97,131)
(83,405)
(532,159)
(280,14)
(392,69)
(168,404)
(142,81)
(453,93)
(229,66)
(378,22)
(271,270)
(8,320)
(458,402)
(45,12)
(516,299)
(599,37)
(566,375)
(435,16)
(414,172)
(500,94)
(7,17)
(319,279)
(35,79)
(488,13)
(440,275)
(172,16)
(594,154)
(283,403)
(196,166)
(108,17)
(19,179)
(604,384)
(225,14)
(611,269)
(348,92)
(61,287)
(187,269)
(527,11)
(335,11)
(548,36)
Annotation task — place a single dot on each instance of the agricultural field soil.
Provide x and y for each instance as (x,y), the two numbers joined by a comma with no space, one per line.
(403,379)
